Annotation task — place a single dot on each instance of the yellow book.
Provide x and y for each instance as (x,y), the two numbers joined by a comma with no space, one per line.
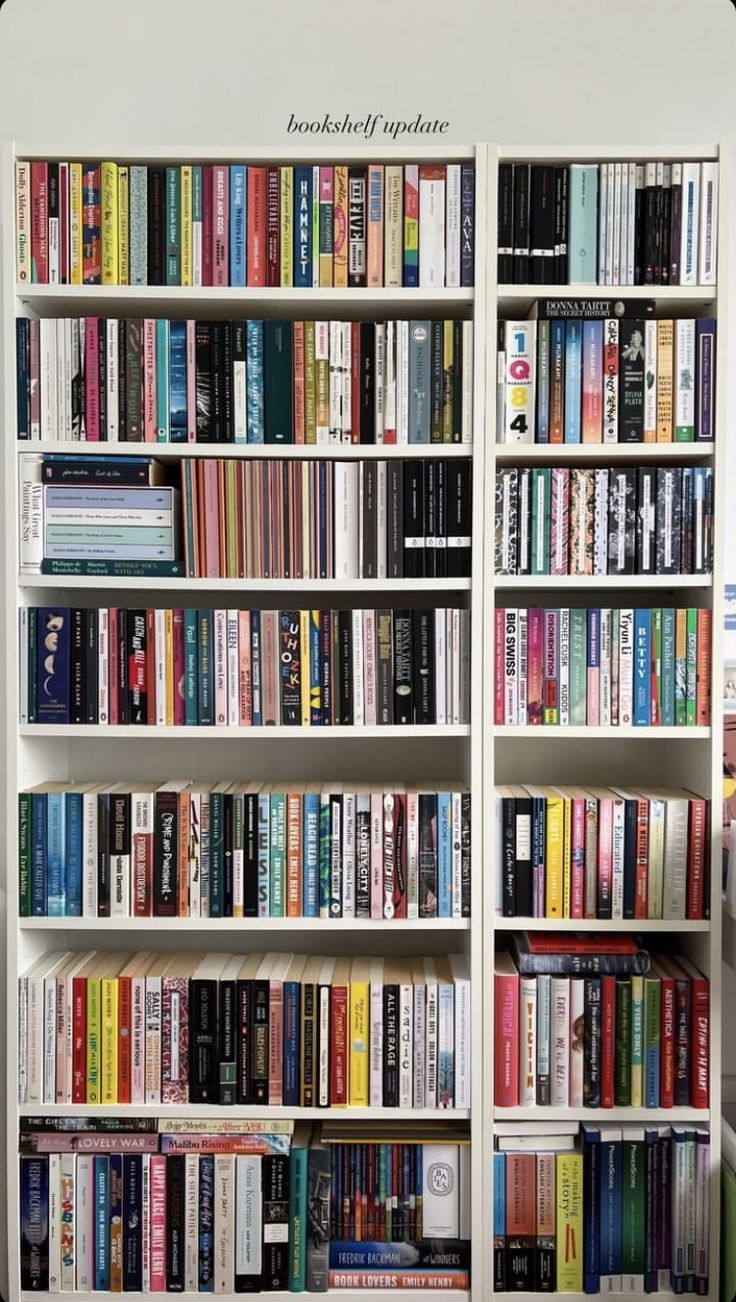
(123,227)
(566,854)
(75,223)
(637,1041)
(315,689)
(286,227)
(109,222)
(310,390)
(447,367)
(665,344)
(169,665)
(94,1029)
(109,1039)
(554,887)
(359,1033)
(569,1222)
(340,228)
(304,616)
(186,224)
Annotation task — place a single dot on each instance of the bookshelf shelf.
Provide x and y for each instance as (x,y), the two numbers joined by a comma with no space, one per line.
(615,1115)
(177,300)
(584,453)
(551,733)
(343,1294)
(250,926)
(588,582)
(115,583)
(636,925)
(236,1112)
(255,451)
(281,733)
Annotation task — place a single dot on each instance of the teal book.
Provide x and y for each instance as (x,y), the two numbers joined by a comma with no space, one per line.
(55,855)
(264,853)
(162,382)
(578,667)
(541,480)
(298,1179)
(173,225)
(277,382)
(324,856)
(582,239)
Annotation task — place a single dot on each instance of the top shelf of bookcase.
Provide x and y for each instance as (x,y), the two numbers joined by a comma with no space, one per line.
(141,299)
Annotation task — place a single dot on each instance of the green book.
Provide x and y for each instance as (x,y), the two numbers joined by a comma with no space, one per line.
(298,1180)
(633,1211)
(652,1001)
(622,1085)
(162,382)
(24,854)
(541,479)
(277,381)
(277,866)
(173,225)
(578,666)
(637,1042)
(691,665)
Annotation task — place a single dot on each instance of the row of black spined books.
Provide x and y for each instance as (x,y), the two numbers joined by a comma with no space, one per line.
(150,380)
(618,223)
(244,668)
(305,226)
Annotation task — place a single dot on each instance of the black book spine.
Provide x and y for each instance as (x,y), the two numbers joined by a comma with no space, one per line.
(646,499)
(362,863)
(132,1222)
(345,627)
(244,1016)
(562,182)
(275,1187)
(650,226)
(521,223)
(413,519)
(165,854)
(675,224)
(367,409)
(203,1041)
(467,225)
(457,381)
(423,666)
(227,1030)
(78,698)
(622,521)
(658,227)
(218,381)
(465,862)
(384,667)
(357,178)
(259,1043)
(175,1226)
(250,856)
(203,381)
(91,667)
(505,223)
(524,894)
(542,224)
(508,852)
(390,1046)
(669,507)
(136,678)
(394,512)
(631,381)
(206,1256)
(458,515)
(103,855)
(228,431)
(54,233)
(630,836)
(227,856)
(290,667)
(308,1044)
(440,538)
(122,380)
(156,226)
(666,250)
(427,855)
(687,526)
(403,674)
(34,1224)
(639,227)
(430,518)
(369,540)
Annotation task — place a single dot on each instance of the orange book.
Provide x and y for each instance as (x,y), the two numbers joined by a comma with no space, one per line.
(545,1217)
(702,669)
(245,684)
(183,873)
(340,228)
(293,854)
(169,653)
(665,335)
(521,1215)
(299,409)
(374,255)
(221,514)
(339,1002)
(240,518)
(256,271)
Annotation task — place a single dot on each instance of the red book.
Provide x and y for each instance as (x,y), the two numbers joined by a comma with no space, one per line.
(506,1033)
(698,904)
(79,1039)
(221,206)
(299,392)
(666,1034)
(125,1038)
(273,278)
(40,223)
(699,1033)
(543,942)
(355,382)
(208,249)
(256,226)
(339,1003)
(91,238)
(499,677)
(114,685)
(608,1039)
(534,669)
(92,378)
(702,666)
(179,705)
(64,223)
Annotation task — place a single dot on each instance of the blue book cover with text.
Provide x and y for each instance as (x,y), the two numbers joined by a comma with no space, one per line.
(55,855)
(74,854)
(310,885)
(52,664)
(642,667)
(254,381)
(178,381)
(573,379)
(303,227)
(238,225)
(591,1201)
(444,854)
(102,1223)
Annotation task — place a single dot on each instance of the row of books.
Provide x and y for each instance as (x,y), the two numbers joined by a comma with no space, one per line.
(275,1029)
(601,852)
(244,668)
(606,1209)
(602,667)
(617,520)
(306,226)
(243,850)
(619,223)
(158,381)
(578,379)
(638,1039)
(185,1210)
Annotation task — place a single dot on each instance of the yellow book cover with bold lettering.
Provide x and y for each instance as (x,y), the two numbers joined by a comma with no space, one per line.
(360,997)
(569,1222)
(637,1041)
(109,222)
(286,227)
(186,224)
(75,223)
(665,367)
(310,385)
(304,655)
(169,653)
(555,855)
(447,370)
(123,226)
(109,1039)
(94,1031)
(566,855)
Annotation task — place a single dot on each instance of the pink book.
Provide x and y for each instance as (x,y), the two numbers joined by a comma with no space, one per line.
(61,1041)
(34,367)
(150,431)
(326,192)
(157,1204)
(175,1040)
(211,521)
(592,405)
(256,243)
(577,858)
(551,660)
(275,1044)
(220,665)
(376,854)
(92,378)
(191,383)
(179,704)
(499,672)
(221,216)
(375,226)
(559,520)
(208,242)
(138,1047)
(506,1036)
(605,855)
(369,667)
(245,688)
(534,621)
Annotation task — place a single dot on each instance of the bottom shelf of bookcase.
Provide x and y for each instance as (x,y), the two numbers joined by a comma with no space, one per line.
(213,1112)
(343,1294)
(617,1116)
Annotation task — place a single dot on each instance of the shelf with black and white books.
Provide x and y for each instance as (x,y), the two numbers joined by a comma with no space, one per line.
(607,411)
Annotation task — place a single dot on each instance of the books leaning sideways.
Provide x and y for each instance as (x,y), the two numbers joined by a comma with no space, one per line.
(117,1205)
(601,1209)
(599,1025)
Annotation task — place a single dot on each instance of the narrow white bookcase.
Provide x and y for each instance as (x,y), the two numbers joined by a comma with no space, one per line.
(608,756)
(434,754)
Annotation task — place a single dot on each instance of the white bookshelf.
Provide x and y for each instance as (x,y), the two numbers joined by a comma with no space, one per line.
(672,756)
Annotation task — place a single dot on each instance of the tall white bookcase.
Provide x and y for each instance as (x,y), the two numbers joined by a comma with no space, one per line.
(477,754)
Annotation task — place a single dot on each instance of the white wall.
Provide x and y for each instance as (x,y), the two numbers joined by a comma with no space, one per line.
(99,75)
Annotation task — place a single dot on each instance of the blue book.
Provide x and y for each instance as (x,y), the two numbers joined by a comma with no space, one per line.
(642,667)
(292,1023)
(206,1223)
(132,1222)
(255,666)
(254,381)
(310,885)
(324,856)
(573,378)
(582,239)
(610,1208)
(34,1224)
(74,854)
(591,1199)
(52,664)
(668,667)
(21,375)
(238,202)
(298,1182)
(315,670)
(38,855)
(191,695)
(264,854)
(178,381)
(102,1223)
(303,252)
(55,855)
(419,381)
(205,685)
(499,1222)
(444,854)
(81,497)
(162,381)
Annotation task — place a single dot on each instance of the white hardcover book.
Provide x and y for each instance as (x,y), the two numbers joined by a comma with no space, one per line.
(445,1044)
(402,412)
(617,858)
(346,377)
(66,431)
(625,667)
(564,662)
(577,1018)
(560,1041)
(674,887)
(47,372)
(89,854)
(511,695)
(370,717)
(650,381)
(224,1235)
(463,1032)
(389,393)
(85,1223)
(464,622)
(452,227)
(500,395)
(375,1067)
(684,379)
(219,658)
(379,387)
(440,1212)
(249,1219)
(191,1223)
(194,855)
(519,382)
(631,225)
(617,224)
(440,661)
(689,228)
(543,1036)
(443,619)
(323,1054)
(432,1023)
(406,1040)
(346,476)
(103,665)
(522,638)
(240,400)
(49,1038)
(610,380)
(358,670)
(112,379)
(23,1039)
(457,857)
(54,243)
(602,209)
(54,1221)
(432,230)
(419,1084)
(527,1041)
(600,521)
(233,670)
(159,642)
(605,669)
(497,844)
(381,517)
(402,379)
(624,226)
(655,869)
(31,536)
(708,238)
(412,853)
(152,1050)
(335,390)
(466,384)
(610,205)
(322,360)
(348,852)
